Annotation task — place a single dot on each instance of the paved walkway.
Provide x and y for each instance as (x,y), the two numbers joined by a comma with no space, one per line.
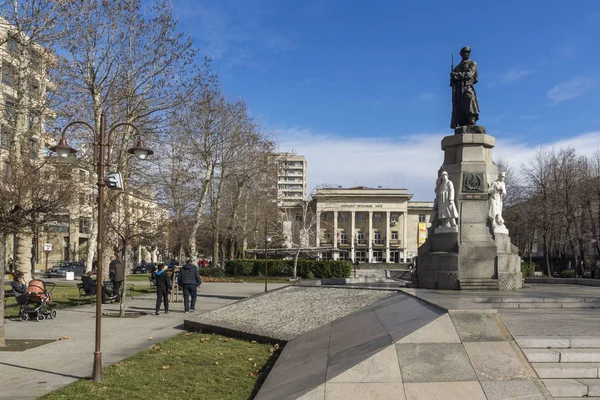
(35,372)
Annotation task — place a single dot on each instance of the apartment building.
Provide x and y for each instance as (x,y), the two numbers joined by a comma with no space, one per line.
(291,177)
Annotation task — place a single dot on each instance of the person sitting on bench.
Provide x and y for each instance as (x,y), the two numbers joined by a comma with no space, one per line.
(19,288)
(89,286)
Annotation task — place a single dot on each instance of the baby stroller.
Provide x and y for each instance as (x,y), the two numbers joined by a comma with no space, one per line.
(39,304)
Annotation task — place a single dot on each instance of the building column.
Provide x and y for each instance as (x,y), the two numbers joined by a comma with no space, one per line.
(405,234)
(352,236)
(335,253)
(318,229)
(370,243)
(387,236)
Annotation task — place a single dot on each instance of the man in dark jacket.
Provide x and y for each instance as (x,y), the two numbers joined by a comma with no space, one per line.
(163,286)
(116,273)
(189,280)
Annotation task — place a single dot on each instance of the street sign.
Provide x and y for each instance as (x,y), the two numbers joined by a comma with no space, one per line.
(48,247)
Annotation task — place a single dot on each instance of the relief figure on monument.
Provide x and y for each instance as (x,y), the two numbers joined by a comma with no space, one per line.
(465,107)
(444,203)
(497,193)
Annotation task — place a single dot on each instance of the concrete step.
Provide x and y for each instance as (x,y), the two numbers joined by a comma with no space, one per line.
(560,388)
(566,370)
(558,342)
(572,355)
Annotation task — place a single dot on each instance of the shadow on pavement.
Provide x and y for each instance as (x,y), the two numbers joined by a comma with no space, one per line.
(42,370)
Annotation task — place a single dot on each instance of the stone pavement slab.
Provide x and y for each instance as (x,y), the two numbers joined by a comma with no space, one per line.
(512,390)
(440,330)
(444,391)
(498,361)
(434,362)
(477,326)
(359,391)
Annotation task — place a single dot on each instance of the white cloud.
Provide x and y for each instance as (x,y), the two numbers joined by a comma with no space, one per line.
(410,162)
(514,74)
(569,90)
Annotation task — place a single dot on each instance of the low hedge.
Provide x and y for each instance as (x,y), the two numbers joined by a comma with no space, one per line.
(527,269)
(568,273)
(215,272)
(320,269)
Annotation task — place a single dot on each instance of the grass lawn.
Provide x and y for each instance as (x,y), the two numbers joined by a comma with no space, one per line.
(187,366)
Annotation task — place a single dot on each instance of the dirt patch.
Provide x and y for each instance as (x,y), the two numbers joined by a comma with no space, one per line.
(24,344)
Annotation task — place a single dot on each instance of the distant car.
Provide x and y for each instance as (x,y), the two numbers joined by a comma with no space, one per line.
(143,268)
(60,270)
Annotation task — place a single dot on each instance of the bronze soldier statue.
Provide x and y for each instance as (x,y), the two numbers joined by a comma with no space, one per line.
(465,108)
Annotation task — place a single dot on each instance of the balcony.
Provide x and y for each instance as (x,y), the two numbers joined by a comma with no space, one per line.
(378,242)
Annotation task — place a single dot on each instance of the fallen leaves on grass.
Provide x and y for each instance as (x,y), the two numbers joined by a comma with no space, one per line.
(155,347)
(216,363)
(150,338)
(251,359)
(187,334)
(165,367)
(204,339)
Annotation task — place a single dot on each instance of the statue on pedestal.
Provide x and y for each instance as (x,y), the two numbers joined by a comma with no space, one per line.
(465,107)
(497,193)
(446,213)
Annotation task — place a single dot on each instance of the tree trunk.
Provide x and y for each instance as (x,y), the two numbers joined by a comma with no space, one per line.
(23,261)
(206,184)
(2,276)
(122,290)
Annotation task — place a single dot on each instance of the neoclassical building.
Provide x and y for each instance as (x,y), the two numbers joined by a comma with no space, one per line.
(360,223)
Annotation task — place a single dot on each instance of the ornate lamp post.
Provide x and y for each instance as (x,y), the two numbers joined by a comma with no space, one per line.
(63,150)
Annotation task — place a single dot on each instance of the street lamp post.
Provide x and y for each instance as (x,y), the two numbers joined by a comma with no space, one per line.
(267,240)
(63,150)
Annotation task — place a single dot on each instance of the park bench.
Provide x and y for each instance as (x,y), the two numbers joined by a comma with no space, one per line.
(92,297)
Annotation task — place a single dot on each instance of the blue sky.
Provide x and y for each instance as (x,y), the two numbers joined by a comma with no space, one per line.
(361,88)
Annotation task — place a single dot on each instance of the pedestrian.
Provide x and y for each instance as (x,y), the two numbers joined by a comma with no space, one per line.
(116,273)
(163,286)
(189,280)
(89,286)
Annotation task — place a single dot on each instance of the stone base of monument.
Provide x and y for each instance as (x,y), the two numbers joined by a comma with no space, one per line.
(478,255)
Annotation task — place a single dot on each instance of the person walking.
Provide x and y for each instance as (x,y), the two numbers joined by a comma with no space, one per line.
(116,273)
(163,286)
(189,280)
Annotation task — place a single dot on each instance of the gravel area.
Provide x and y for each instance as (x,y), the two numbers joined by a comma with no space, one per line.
(292,311)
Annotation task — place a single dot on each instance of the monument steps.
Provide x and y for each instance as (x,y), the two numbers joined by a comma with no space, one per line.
(478,284)
(568,366)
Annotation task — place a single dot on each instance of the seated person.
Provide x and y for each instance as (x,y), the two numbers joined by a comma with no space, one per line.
(89,286)
(19,288)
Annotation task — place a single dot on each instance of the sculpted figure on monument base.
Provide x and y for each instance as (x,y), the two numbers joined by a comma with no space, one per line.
(446,213)
(497,193)
(465,107)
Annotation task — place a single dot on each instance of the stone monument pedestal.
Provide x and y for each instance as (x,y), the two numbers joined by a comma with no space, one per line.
(477,255)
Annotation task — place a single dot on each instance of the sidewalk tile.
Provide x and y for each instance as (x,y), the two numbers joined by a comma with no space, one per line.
(444,391)
(364,391)
(381,367)
(317,393)
(440,330)
(478,326)
(434,362)
(509,390)
(498,361)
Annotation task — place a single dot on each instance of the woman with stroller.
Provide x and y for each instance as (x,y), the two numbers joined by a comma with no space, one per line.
(19,288)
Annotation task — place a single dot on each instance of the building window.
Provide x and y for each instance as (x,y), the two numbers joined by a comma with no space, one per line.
(394,218)
(361,256)
(360,217)
(33,148)
(394,235)
(35,61)
(84,225)
(360,237)
(12,44)
(422,218)
(9,109)
(298,217)
(5,138)
(343,238)
(7,170)
(377,217)
(342,217)
(329,216)
(8,74)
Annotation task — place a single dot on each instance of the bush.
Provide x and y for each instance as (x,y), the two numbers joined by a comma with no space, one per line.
(239,267)
(568,273)
(274,267)
(324,269)
(215,272)
(527,269)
